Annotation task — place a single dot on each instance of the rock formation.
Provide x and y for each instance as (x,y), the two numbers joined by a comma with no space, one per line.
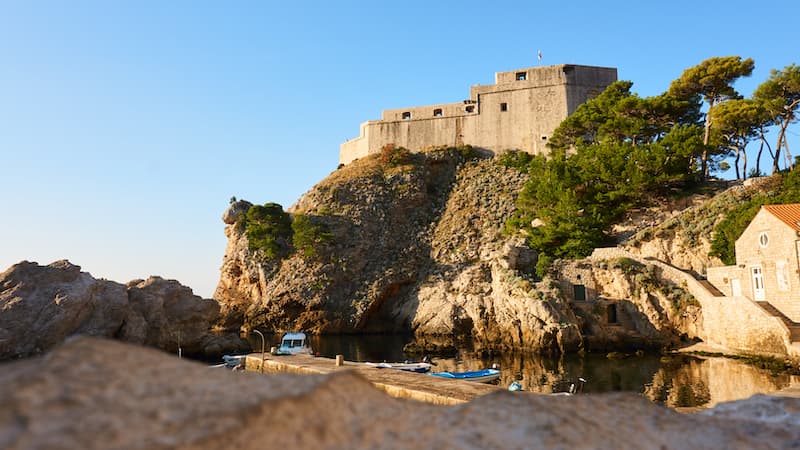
(43,305)
(92,394)
(417,246)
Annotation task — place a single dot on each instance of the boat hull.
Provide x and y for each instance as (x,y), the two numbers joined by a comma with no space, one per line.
(407,367)
(478,376)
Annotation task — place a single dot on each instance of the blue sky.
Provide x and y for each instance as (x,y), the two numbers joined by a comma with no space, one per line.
(125,127)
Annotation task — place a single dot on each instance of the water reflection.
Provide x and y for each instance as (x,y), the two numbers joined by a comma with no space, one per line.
(675,380)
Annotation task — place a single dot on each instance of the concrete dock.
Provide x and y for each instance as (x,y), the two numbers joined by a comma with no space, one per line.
(396,383)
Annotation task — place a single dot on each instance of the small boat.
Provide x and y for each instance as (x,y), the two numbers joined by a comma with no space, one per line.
(573,388)
(480,376)
(233,362)
(292,344)
(420,367)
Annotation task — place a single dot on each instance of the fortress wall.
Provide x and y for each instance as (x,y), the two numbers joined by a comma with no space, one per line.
(534,107)
(427,112)
(531,115)
(355,148)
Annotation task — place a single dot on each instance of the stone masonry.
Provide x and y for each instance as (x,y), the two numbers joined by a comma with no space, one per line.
(518,112)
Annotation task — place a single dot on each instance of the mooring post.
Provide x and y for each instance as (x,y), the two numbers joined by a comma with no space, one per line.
(262,349)
(339,360)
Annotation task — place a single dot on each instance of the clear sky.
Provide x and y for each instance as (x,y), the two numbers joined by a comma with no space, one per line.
(125,127)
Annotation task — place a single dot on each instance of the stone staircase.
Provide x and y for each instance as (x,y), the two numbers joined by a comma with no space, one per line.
(711,288)
(794,327)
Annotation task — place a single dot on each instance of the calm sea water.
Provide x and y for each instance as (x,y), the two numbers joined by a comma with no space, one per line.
(675,380)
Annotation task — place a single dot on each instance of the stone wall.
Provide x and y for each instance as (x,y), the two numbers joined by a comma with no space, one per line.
(732,323)
(518,114)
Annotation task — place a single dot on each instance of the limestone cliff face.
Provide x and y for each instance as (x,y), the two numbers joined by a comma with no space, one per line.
(647,310)
(416,247)
(683,239)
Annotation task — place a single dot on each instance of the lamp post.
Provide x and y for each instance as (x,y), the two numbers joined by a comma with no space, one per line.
(262,349)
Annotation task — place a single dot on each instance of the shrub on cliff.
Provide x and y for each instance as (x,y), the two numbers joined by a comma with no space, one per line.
(393,156)
(308,237)
(268,229)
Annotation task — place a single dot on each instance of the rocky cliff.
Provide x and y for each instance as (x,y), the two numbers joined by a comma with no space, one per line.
(43,305)
(416,247)
(420,247)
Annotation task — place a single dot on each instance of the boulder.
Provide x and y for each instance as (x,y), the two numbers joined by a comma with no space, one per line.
(92,394)
(43,305)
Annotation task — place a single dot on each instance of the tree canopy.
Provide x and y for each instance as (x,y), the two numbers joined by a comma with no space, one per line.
(712,80)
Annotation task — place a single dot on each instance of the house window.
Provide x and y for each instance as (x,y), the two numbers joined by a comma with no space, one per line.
(470,108)
(544,138)
(437,112)
(503,107)
(521,76)
(763,239)
(407,115)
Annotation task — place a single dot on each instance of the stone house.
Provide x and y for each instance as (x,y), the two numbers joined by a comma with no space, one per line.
(767,269)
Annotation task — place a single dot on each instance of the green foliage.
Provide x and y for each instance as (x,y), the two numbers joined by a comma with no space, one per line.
(514,159)
(268,229)
(628,266)
(308,237)
(608,156)
(780,95)
(468,152)
(543,264)
(393,156)
(737,219)
(712,80)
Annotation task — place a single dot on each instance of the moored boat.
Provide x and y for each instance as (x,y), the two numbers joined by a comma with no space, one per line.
(480,376)
(420,367)
(293,343)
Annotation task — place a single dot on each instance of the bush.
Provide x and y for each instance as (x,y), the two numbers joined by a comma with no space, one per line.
(393,156)
(268,229)
(514,159)
(308,237)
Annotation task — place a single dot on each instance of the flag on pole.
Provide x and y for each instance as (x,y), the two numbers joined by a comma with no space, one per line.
(539,55)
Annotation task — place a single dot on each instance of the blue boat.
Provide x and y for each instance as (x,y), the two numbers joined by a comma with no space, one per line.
(480,376)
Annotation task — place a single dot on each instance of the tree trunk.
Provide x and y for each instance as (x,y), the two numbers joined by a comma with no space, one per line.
(706,138)
(781,138)
(744,160)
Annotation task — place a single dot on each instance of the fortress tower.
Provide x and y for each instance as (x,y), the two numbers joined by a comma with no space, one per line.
(518,112)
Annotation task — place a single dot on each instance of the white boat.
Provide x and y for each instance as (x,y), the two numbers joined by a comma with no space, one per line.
(293,343)
(420,367)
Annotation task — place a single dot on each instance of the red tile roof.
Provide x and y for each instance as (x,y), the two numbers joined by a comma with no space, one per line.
(788,214)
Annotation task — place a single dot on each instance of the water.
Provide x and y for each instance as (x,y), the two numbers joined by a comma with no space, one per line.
(677,381)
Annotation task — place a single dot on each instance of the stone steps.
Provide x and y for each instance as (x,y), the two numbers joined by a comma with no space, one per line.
(711,288)
(794,327)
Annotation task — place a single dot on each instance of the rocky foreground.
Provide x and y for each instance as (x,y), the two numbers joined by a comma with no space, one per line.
(90,393)
(40,306)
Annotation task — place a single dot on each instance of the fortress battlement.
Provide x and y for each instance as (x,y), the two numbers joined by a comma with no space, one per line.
(519,111)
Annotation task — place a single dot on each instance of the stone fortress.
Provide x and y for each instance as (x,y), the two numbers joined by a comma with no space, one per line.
(518,112)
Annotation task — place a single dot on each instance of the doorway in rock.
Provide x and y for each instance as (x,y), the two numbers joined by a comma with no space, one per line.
(611,313)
